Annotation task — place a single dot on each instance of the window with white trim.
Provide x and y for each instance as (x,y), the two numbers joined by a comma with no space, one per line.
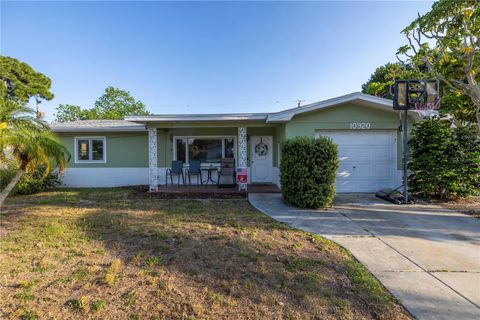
(90,149)
(205,149)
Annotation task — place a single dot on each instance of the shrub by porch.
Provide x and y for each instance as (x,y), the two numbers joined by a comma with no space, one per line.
(307,171)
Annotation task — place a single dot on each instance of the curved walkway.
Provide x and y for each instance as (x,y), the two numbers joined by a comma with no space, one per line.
(426,256)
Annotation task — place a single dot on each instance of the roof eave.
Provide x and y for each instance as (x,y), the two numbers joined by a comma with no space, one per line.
(287,115)
(91,129)
(195,119)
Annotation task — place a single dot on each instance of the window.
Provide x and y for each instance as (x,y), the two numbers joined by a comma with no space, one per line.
(180,146)
(229,148)
(90,149)
(204,149)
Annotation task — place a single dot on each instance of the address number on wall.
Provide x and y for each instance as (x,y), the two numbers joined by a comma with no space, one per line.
(360,125)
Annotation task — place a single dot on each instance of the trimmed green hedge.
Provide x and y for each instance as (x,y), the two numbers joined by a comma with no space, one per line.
(308,169)
(444,161)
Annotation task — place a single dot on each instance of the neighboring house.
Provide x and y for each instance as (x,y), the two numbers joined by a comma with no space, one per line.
(137,150)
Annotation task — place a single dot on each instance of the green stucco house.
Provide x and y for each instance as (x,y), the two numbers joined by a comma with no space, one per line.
(138,149)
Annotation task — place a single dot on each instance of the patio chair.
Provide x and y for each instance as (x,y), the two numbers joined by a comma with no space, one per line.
(176,169)
(194,170)
(227,169)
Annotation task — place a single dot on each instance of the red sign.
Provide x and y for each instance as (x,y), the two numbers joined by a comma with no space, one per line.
(242,175)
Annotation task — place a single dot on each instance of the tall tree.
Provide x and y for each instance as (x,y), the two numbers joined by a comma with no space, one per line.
(21,82)
(453,27)
(381,82)
(113,104)
(32,149)
(69,112)
(23,136)
(116,103)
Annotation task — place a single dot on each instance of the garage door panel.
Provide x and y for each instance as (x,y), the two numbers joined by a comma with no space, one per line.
(362,171)
(343,173)
(383,170)
(355,152)
(367,159)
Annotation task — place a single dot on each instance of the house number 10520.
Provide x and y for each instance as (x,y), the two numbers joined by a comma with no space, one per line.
(359,125)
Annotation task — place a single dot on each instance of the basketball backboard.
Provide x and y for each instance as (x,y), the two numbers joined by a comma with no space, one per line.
(416,95)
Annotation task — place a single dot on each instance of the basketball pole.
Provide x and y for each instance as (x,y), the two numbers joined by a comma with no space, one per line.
(405,157)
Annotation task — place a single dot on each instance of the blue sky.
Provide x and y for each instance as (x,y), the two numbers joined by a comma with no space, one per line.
(205,57)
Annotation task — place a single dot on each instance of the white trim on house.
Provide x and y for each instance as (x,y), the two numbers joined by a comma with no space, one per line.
(90,156)
(276,176)
(205,137)
(198,117)
(105,177)
(287,115)
(124,176)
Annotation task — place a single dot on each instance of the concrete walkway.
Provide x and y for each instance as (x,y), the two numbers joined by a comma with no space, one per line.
(426,256)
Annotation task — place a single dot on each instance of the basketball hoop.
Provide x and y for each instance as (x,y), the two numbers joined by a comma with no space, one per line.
(427,110)
(423,97)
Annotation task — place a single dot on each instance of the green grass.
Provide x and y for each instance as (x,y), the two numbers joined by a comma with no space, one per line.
(98,305)
(120,254)
(365,284)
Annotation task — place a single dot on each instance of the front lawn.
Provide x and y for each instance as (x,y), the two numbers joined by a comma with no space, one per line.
(120,254)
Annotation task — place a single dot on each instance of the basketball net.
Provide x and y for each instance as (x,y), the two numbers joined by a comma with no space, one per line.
(427,110)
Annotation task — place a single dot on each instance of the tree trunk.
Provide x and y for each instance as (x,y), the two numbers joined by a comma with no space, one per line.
(478,121)
(474,93)
(476,100)
(10,186)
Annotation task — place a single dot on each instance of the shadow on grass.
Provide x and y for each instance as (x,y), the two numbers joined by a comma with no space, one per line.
(225,248)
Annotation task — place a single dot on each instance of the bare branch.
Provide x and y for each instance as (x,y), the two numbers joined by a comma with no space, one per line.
(417,39)
(411,45)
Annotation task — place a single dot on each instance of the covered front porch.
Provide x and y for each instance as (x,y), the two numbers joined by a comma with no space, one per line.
(253,145)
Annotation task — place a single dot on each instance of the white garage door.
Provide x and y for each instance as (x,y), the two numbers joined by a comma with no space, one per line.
(367,159)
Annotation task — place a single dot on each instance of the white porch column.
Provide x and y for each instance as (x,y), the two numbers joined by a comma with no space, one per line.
(242,154)
(152,159)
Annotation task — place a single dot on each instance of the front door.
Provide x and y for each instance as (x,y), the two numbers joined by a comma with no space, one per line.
(261,150)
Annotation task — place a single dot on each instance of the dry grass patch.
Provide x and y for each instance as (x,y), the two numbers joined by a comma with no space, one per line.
(470,205)
(112,254)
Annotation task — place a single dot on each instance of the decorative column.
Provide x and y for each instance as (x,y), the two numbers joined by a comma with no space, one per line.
(242,159)
(152,159)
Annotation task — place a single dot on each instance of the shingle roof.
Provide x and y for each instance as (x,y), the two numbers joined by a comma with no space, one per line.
(96,125)
(200,117)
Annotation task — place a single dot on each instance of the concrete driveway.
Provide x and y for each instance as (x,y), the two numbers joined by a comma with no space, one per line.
(426,256)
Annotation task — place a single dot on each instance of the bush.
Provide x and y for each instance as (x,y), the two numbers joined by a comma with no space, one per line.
(30,182)
(444,161)
(35,182)
(307,171)
(7,172)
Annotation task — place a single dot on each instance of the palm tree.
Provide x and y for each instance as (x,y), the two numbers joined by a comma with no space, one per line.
(29,141)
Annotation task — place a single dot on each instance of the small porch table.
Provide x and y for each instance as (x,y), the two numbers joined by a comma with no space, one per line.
(209,170)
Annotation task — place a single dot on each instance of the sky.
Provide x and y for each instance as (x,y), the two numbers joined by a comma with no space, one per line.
(205,57)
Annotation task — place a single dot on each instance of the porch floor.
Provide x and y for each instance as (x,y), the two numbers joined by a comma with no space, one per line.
(213,189)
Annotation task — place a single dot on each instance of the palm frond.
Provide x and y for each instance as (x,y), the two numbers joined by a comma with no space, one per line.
(35,148)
